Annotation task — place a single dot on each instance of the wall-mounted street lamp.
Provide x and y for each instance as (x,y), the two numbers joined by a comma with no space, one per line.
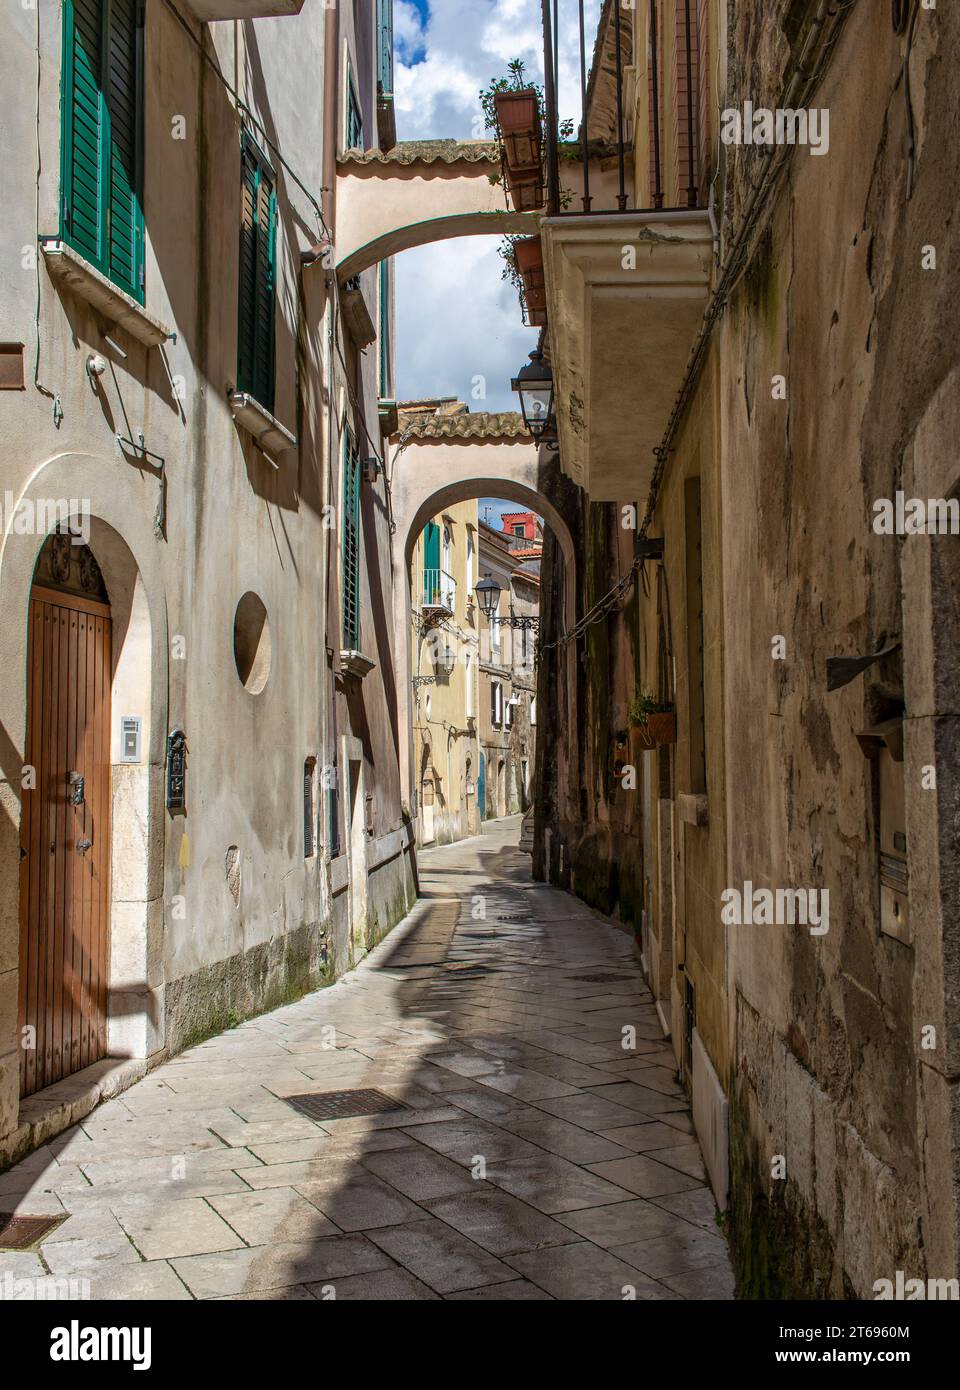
(534,385)
(488,596)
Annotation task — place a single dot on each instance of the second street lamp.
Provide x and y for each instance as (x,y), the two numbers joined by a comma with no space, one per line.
(488,594)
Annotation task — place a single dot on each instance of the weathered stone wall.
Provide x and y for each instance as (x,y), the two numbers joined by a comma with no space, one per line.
(844,1126)
(836,301)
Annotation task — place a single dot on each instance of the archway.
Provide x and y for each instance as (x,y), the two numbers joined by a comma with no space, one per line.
(112,914)
(429,476)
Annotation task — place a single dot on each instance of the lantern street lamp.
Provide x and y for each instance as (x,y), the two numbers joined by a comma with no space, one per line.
(534,385)
(446,660)
(488,594)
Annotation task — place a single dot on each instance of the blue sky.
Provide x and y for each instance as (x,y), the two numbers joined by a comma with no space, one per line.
(459,326)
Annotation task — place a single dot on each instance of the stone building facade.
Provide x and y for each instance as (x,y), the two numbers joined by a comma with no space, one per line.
(788,306)
(507,679)
(446,643)
(201,790)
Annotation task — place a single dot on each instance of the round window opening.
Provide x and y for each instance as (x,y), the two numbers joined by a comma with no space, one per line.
(252,649)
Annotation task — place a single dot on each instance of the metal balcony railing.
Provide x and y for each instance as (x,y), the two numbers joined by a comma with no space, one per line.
(622,23)
(439,590)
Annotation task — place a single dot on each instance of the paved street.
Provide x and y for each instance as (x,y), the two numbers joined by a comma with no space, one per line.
(534,1156)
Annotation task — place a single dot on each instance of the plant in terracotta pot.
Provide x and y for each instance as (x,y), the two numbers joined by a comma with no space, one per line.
(523,268)
(514,109)
(654,721)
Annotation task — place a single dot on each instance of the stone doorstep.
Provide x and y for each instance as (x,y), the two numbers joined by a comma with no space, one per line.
(49,1112)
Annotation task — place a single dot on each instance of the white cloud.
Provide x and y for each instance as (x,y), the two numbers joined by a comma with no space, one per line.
(458,321)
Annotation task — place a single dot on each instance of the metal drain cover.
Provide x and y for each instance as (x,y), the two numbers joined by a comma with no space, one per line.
(602,979)
(342,1105)
(513,917)
(23,1232)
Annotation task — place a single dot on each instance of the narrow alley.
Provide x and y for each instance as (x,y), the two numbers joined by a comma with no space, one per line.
(525,1138)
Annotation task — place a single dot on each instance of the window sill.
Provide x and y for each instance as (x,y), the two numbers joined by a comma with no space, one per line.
(354,663)
(69,268)
(268,432)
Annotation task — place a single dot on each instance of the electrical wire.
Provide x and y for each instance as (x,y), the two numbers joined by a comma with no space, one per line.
(248,114)
(44,390)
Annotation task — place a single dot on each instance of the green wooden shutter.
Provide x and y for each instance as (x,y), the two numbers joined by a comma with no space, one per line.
(101,159)
(431,562)
(384,329)
(351,544)
(385,47)
(257,278)
(125,224)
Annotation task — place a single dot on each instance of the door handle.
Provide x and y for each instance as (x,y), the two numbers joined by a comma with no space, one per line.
(83,845)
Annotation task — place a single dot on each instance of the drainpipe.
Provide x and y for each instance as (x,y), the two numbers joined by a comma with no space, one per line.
(331,73)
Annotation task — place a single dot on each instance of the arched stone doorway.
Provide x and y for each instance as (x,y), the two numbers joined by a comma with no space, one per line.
(65,825)
(127,1018)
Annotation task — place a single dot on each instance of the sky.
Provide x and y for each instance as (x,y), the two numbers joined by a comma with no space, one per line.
(459,325)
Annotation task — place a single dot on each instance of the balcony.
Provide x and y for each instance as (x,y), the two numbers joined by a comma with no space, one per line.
(439,594)
(626,236)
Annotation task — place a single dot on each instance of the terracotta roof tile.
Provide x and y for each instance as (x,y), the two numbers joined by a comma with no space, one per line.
(427,152)
(480,424)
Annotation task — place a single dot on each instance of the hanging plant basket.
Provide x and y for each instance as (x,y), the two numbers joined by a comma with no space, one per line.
(663,726)
(526,193)
(652,722)
(528,253)
(641,740)
(521,133)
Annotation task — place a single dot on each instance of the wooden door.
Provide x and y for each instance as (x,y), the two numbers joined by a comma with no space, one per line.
(65,838)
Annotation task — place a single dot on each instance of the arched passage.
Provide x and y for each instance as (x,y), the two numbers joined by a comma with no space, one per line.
(418,192)
(432,473)
(134,684)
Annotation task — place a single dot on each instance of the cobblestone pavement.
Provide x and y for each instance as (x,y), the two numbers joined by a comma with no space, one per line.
(533,1157)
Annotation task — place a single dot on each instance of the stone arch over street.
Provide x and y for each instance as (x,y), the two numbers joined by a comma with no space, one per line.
(438,465)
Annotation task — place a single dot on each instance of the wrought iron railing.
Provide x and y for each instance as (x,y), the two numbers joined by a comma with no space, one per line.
(621,20)
(439,590)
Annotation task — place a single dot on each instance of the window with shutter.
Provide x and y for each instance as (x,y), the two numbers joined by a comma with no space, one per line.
(257,279)
(351,544)
(384,330)
(385,47)
(353,135)
(102,138)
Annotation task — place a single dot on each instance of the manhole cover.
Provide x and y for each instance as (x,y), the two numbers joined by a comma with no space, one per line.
(22,1232)
(602,979)
(342,1105)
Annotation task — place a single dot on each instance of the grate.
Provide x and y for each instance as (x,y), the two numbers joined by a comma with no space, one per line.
(602,979)
(23,1232)
(513,916)
(342,1105)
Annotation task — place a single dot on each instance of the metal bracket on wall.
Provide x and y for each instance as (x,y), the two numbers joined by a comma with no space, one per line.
(138,449)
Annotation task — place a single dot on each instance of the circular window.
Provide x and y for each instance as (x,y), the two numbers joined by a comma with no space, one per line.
(252,650)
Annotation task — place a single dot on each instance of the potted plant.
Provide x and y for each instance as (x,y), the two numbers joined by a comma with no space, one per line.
(523,268)
(654,721)
(513,108)
(515,111)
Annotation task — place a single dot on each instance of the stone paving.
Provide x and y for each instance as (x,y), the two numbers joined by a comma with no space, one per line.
(534,1158)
